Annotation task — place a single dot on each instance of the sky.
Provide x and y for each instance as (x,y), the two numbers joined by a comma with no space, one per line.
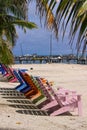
(37,41)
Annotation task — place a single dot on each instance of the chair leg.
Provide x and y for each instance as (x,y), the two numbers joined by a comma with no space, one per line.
(60,111)
(49,105)
(79,105)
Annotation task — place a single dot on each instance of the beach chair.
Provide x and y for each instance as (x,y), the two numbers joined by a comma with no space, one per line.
(9,73)
(36,96)
(40,98)
(46,92)
(22,84)
(70,98)
(2,70)
(61,105)
(6,69)
(34,90)
(64,93)
(13,78)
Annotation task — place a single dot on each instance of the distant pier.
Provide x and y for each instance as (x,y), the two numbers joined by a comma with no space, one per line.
(50,59)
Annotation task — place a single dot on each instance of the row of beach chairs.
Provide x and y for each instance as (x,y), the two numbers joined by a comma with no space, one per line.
(42,94)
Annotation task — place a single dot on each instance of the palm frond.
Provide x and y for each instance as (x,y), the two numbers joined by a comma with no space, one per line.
(44,10)
(23,23)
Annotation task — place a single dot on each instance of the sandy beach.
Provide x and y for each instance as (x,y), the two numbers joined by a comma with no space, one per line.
(70,76)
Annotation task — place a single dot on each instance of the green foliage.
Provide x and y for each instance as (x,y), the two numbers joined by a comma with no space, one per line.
(6,56)
(12,13)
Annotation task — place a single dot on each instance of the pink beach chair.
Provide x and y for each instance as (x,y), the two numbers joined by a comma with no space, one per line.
(63,100)
(70,103)
(9,74)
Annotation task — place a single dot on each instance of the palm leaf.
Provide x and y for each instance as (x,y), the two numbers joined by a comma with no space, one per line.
(24,23)
(67,12)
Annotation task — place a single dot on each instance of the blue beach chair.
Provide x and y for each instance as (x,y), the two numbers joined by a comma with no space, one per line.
(2,70)
(22,87)
(22,83)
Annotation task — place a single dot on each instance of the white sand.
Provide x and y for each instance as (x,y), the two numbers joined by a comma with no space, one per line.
(71,76)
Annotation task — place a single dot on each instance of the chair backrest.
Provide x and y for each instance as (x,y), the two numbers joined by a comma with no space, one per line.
(2,69)
(57,98)
(37,84)
(9,71)
(28,81)
(50,92)
(45,91)
(5,68)
(18,76)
